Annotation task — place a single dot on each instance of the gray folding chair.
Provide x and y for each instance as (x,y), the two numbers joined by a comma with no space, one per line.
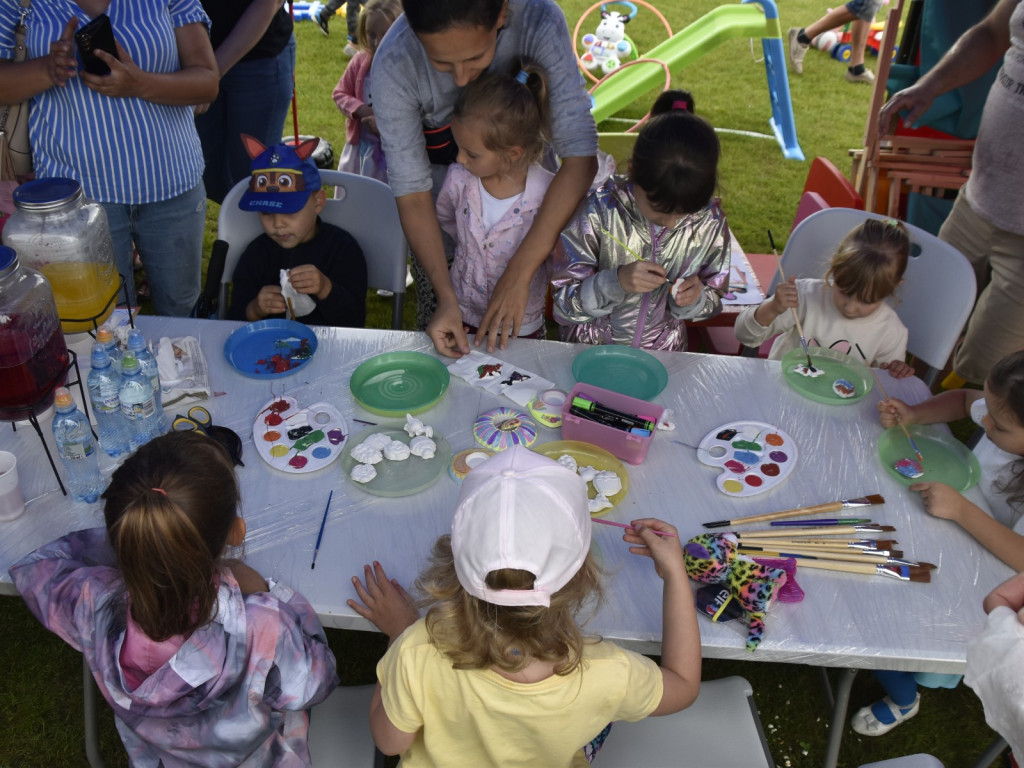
(721,729)
(938,290)
(910,761)
(364,207)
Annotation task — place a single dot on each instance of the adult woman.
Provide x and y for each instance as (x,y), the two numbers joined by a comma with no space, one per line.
(428,55)
(127,136)
(255,51)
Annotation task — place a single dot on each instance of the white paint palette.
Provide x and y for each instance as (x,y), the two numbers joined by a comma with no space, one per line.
(755,457)
(298,440)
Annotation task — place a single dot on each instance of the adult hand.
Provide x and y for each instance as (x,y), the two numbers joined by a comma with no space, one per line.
(505,310)
(941,501)
(689,291)
(270,301)
(898,369)
(664,550)
(641,276)
(61,64)
(124,80)
(200,109)
(384,601)
(892,412)
(446,331)
(306,278)
(915,100)
(369,123)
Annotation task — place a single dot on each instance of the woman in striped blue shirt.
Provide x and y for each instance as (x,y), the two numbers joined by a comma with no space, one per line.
(129,136)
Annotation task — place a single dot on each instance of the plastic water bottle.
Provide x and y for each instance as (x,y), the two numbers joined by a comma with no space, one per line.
(105,336)
(137,406)
(150,370)
(77,448)
(104,383)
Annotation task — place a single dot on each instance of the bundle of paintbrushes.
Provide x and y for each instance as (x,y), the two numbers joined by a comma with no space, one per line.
(830,548)
(814,509)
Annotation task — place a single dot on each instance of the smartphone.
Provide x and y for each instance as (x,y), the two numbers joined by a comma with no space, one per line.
(96,34)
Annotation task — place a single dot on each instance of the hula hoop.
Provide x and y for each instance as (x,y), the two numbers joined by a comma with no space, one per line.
(601,4)
(668,85)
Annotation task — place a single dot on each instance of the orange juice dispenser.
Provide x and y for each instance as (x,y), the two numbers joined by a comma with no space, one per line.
(59,232)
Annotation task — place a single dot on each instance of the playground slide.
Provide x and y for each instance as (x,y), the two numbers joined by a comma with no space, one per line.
(752,18)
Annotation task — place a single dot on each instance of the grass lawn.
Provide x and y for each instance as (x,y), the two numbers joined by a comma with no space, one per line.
(40,696)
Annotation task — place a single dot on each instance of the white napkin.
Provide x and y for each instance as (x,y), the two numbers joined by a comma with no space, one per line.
(995,670)
(182,368)
(499,377)
(302,303)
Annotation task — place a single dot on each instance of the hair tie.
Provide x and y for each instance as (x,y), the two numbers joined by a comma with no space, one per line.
(522,76)
(159,490)
(896,223)
(680,104)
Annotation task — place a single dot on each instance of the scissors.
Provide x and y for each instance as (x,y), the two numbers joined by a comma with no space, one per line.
(199,420)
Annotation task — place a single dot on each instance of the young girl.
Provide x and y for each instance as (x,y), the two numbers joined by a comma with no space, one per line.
(500,667)
(648,251)
(362,153)
(999,409)
(493,191)
(846,310)
(202,662)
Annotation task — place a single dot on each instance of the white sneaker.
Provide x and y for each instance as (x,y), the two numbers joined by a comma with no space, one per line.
(797,50)
(866,724)
(350,50)
(867,76)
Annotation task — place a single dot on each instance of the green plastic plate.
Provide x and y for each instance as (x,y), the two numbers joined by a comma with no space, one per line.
(835,365)
(626,370)
(397,383)
(946,459)
(398,478)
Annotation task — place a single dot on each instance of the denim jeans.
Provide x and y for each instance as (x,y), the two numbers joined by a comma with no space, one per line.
(253,99)
(169,236)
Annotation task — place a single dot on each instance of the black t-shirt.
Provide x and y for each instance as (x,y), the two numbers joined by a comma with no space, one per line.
(224,14)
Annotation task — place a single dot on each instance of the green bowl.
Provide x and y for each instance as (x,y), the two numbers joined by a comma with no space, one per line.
(397,383)
(835,365)
(946,459)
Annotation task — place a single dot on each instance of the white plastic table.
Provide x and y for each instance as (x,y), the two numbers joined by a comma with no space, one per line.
(845,620)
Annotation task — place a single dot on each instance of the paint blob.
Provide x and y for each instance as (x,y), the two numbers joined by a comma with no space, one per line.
(747,445)
(335,436)
(321,452)
(754,481)
(771,470)
(778,456)
(732,486)
(311,439)
(909,468)
(295,434)
(273,419)
(726,434)
(735,466)
(804,370)
(844,388)
(774,439)
(298,462)
(747,457)
(272,436)
(279,450)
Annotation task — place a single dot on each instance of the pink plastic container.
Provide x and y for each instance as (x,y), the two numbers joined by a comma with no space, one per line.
(625,445)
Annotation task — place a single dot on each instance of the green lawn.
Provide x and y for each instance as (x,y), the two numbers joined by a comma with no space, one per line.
(40,711)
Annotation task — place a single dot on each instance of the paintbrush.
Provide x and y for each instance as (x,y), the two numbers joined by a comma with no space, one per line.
(901,572)
(291,309)
(827,521)
(814,509)
(800,557)
(838,530)
(853,555)
(872,545)
(796,317)
(320,536)
(903,426)
(626,525)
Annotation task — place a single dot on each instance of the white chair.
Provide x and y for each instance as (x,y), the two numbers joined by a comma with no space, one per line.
(719,730)
(910,761)
(364,207)
(938,290)
(339,730)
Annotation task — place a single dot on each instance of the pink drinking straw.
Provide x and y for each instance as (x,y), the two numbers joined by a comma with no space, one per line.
(625,525)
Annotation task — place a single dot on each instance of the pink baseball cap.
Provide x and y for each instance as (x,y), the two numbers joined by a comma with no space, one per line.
(520,510)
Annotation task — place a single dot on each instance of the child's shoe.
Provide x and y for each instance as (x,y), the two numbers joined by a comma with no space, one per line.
(882,716)
(322,20)
(867,76)
(797,51)
(350,49)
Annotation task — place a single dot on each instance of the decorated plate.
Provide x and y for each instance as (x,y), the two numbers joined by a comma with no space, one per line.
(270,349)
(755,457)
(588,455)
(398,478)
(946,459)
(397,383)
(838,379)
(295,439)
(625,370)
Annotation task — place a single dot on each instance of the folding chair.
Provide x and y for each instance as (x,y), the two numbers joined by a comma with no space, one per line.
(339,730)
(365,208)
(938,290)
(910,761)
(721,729)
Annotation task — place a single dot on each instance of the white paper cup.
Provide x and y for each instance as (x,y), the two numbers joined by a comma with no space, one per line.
(12,503)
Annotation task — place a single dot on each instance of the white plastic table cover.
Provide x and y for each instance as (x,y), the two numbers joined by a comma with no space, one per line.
(845,620)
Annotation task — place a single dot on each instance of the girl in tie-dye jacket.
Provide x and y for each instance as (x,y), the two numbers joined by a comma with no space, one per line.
(203,662)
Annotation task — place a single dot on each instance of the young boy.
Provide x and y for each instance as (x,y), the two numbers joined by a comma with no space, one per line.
(320,264)
(861,13)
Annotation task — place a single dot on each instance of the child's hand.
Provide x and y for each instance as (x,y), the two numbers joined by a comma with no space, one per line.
(897,369)
(942,501)
(249,580)
(641,277)
(785,297)
(306,278)
(269,301)
(385,601)
(687,293)
(369,123)
(664,550)
(893,411)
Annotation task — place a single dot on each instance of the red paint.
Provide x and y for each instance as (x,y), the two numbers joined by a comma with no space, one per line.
(753,481)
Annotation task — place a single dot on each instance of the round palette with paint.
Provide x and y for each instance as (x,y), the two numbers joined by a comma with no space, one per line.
(398,478)
(946,459)
(838,379)
(755,457)
(270,349)
(588,455)
(298,440)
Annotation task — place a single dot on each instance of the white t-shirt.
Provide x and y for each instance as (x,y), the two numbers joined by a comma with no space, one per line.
(995,472)
(493,208)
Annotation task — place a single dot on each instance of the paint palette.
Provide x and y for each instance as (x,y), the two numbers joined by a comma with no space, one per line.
(843,380)
(946,459)
(755,457)
(398,478)
(298,440)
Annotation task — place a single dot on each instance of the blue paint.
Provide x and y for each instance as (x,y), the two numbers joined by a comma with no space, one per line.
(747,457)
(321,452)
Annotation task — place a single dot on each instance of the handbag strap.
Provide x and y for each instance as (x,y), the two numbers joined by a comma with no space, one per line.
(20,50)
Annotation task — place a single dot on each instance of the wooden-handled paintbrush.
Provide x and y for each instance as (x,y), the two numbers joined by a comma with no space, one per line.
(796,316)
(815,509)
(917,451)
(850,555)
(834,530)
(918,573)
(884,546)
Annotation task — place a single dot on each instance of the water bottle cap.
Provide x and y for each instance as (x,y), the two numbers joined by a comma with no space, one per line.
(129,363)
(100,358)
(136,340)
(104,335)
(62,398)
